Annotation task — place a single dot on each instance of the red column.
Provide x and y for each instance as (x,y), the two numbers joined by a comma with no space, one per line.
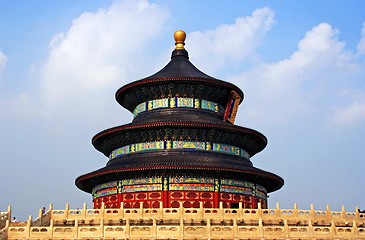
(254,202)
(165,199)
(120,199)
(216,199)
(165,192)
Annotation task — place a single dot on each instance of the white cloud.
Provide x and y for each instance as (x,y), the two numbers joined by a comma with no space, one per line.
(96,56)
(3,60)
(361,44)
(294,87)
(20,107)
(353,113)
(229,42)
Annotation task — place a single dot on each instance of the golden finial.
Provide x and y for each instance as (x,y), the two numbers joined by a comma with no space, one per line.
(179,36)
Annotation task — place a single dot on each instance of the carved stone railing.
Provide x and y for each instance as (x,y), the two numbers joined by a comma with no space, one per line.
(192,223)
(4,216)
(43,218)
(4,223)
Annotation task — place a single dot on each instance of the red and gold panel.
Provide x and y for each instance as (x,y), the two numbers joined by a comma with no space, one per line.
(151,192)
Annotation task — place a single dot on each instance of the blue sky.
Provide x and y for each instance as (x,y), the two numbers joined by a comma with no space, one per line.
(301,65)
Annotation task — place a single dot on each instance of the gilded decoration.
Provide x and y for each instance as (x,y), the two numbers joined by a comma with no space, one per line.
(232,107)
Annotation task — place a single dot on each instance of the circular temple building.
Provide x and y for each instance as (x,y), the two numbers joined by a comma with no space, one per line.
(182,147)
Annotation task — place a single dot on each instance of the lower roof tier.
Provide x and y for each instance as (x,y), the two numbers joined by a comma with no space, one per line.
(179,162)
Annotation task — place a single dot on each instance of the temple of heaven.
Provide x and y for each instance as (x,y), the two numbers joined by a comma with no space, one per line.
(182,148)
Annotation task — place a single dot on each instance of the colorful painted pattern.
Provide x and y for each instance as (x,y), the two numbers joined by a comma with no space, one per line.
(226,148)
(177,102)
(182,179)
(185,102)
(192,187)
(120,151)
(261,194)
(105,185)
(208,105)
(105,192)
(238,183)
(187,145)
(168,144)
(243,187)
(135,181)
(179,183)
(160,103)
(234,189)
(140,108)
(142,188)
(149,146)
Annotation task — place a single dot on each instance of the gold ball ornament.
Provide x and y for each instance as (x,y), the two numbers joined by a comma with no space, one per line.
(179,36)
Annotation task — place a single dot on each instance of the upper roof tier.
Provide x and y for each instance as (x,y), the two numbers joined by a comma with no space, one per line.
(179,78)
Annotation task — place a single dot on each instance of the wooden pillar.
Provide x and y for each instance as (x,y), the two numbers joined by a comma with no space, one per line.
(216,199)
(120,200)
(165,193)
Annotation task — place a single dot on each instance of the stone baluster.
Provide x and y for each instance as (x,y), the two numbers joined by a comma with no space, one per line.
(201,210)
(67,209)
(84,211)
(235,228)
(240,210)
(343,213)
(40,217)
(181,232)
(76,229)
(101,235)
(259,210)
(9,213)
(328,213)
(220,210)
(261,229)
(209,229)
(310,229)
(154,228)
(312,213)
(122,210)
(50,210)
(27,229)
(333,231)
(354,230)
(51,228)
(277,211)
(127,229)
(296,212)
